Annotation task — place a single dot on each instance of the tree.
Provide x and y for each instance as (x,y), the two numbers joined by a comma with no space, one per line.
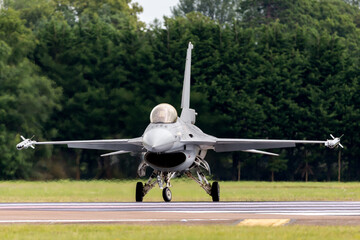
(32,11)
(27,98)
(220,10)
(255,12)
(275,165)
(102,64)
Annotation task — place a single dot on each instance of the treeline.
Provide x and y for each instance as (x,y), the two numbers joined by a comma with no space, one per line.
(261,69)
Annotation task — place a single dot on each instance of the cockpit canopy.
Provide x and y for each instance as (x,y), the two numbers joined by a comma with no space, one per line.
(163,113)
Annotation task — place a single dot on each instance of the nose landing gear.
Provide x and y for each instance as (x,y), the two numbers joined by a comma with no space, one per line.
(162,179)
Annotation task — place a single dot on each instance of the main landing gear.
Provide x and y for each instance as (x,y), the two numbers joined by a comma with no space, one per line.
(139,195)
(215,192)
(163,180)
(212,189)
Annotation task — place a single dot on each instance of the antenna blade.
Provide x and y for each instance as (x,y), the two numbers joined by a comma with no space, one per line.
(185,100)
(341,145)
(22,137)
(332,136)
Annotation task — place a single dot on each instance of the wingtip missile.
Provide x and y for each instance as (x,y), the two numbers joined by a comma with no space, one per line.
(26,143)
(334,142)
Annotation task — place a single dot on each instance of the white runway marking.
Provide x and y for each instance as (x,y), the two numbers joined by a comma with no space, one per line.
(282,208)
(83,221)
(105,220)
(330,213)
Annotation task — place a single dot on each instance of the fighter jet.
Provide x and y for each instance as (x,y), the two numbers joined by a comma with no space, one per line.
(174,146)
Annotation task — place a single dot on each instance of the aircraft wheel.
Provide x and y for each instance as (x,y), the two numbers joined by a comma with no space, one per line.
(215,192)
(139,192)
(167,195)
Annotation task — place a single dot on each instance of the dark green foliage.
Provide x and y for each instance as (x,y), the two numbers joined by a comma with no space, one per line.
(220,10)
(27,98)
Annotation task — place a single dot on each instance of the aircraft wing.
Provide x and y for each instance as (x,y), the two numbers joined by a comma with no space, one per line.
(229,145)
(130,145)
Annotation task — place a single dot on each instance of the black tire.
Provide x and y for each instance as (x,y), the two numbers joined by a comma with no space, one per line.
(215,192)
(167,195)
(139,192)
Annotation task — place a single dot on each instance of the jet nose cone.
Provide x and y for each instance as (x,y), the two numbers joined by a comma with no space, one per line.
(158,140)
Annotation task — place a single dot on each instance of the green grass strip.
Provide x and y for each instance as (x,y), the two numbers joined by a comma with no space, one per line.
(183,190)
(175,232)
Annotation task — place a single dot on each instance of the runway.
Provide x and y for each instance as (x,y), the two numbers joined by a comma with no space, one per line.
(319,213)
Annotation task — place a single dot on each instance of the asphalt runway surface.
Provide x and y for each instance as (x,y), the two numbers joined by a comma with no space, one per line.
(232,213)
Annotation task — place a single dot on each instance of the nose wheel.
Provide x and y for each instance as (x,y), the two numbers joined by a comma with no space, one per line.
(167,195)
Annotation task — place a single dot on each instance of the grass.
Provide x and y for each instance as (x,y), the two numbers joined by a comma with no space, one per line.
(175,232)
(183,190)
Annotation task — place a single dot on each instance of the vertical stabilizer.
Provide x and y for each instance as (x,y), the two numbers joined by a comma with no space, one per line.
(187,114)
(185,100)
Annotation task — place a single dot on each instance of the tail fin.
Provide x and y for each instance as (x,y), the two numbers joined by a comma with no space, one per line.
(187,114)
(185,100)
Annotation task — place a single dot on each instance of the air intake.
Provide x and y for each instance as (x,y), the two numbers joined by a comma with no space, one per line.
(165,160)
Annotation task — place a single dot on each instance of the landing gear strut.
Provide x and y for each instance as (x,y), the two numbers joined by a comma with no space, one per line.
(163,180)
(212,189)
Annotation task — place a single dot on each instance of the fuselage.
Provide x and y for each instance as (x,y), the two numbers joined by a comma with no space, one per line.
(165,151)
